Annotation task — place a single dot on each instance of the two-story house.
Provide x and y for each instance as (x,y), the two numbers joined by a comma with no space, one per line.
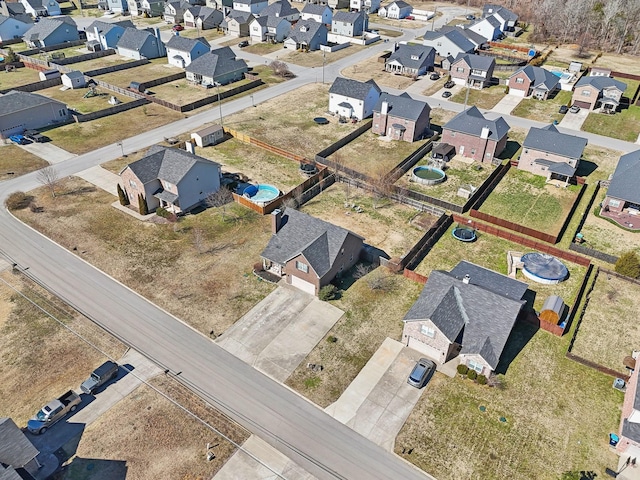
(51,31)
(146,8)
(448,44)
(281,9)
(14,27)
(181,51)
(366,6)
(533,81)
(489,28)
(598,92)
(115,6)
(319,13)
(41,8)
(349,24)
(411,60)
(103,35)
(623,192)
(508,19)
(397,10)
(474,71)
(139,44)
(204,18)
(220,66)
(270,29)
(253,7)
(306,35)
(353,99)
(400,117)
(174,11)
(236,24)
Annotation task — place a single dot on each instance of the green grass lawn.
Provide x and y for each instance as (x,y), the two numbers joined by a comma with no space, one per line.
(158,68)
(485,98)
(526,199)
(15,161)
(624,125)
(20,76)
(543,110)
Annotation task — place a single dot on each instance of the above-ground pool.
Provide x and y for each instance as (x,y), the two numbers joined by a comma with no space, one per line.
(543,268)
(428,175)
(464,234)
(261,194)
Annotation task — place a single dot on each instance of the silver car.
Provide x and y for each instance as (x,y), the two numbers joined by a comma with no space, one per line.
(421,373)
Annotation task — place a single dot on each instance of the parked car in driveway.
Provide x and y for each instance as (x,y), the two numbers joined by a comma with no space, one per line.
(53,412)
(563,109)
(244,43)
(19,139)
(434,76)
(421,373)
(446,94)
(177,28)
(35,136)
(449,84)
(101,375)
(574,109)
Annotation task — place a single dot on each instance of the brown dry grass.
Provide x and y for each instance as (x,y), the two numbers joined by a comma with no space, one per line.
(74,98)
(156,69)
(161,261)
(101,62)
(20,76)
(315,58)
(19,161)
(372,69)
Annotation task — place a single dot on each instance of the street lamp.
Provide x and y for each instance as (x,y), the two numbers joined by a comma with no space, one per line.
(433,22)
(121,148)
(252,102)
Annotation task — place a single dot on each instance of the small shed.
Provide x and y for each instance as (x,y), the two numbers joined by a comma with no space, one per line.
(49,74)
(208,136)
(552,310)
(443,151)
(74,79)
(575,67)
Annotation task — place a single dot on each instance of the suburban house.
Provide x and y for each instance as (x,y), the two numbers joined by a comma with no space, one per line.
(400,117)
(474,71)
(250,6)
(353,99)
(398,9)
(281,9)
(41,8)
(204,18)
(533,81)
(208,136)
(411,60)
(139,44)
(629,440)
(598,92)
(270,29)
(115,6)
(467,313)
(320,13)
(306,35)
(170,178)
(103,35)
(51,31)
(623,194)
(17,454)
(449,43)
(307,251)
(477,40)
(475,136)
(218,66)
(366,6)
(237,23)
(181,51)
(335,4)
(174,11)
(551,154)
(349,24)
(489,28)
(146,8)
(508,20)
(14,27)
(12,9)
(20,111)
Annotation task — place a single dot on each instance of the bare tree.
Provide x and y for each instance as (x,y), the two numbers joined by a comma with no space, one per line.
(49,178)
(381,186)
(219,199)
(281,69)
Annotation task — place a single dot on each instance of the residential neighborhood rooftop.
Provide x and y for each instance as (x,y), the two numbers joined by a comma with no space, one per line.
(352,88)
(549,139)
(401,106)
(471,121)
(624,183)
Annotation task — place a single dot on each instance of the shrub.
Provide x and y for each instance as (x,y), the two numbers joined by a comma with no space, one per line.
(628,265)
(163,212)
(482,380)
(332,339)
(463,369)
(506,90)
(124,200)
(18,201)
(472,374)
(328,292)
(10,56)
(258,267)
(142,205)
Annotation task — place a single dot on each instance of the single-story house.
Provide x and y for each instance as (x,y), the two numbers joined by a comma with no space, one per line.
(475,136)
(181,51)
(52,31)
(623,192)
(270,29)
(448,43)
(20,111)
(353,99)
(598,92)
(307,251)
(551,154)
(170,178)
(41,8)
(74,79)
(400,117)
(17,453)
(14,27)
(398,10)
(306,35)
(319,13)
(467,313)
(474,71)
(281,9)
(533,81)
(139,44)
(218,66)
(208,136)
(411,60)
(106,35)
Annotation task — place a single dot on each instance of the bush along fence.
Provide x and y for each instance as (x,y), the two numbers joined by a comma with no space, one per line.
(417,253)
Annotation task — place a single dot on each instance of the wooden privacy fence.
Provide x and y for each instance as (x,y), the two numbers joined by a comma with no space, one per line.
(83,57)
(116,68)
(50,48)
(515,227)
(123,107)
(34,87)
(334,147)
(264,145)
(417,253)
(408,162)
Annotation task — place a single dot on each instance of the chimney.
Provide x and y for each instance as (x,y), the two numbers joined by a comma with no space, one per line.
(395,46)
(384,108)
(466,279)
(485,132)
(276,220)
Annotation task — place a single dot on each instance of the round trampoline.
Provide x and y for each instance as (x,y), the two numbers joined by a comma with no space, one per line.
(464,234)
(321,120)
(543,268)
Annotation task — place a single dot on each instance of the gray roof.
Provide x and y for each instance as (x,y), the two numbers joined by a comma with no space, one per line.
(505,13)
(15,449)
(46,26)
(9,473)
(469,34)
(561,168)
(249,2)
(413,56)
(280,8)
(624,182)
(347,17)
(220,61)
(478,62)
(320,242)
(549,139)
(14,101)
(237,15)
(493,21)
(353,88)
(185,44)
(312,28)
(403,106)
(631,430)
(132,38)
(104,27)
(454,36)
(15,8)
(74,74)
(208,130)
(314,9)
(471,121)
(400,4)
(600,83)
(207,13)
(165,163)
(19,18)
(483,310)
(540,78)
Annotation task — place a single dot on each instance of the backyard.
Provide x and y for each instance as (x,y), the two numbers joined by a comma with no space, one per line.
(17,77)
(371,69)
(543,110)
(612,308)
(75,98)
(318,58)
(15,161)
(486,98)
(157,68)
(102,62)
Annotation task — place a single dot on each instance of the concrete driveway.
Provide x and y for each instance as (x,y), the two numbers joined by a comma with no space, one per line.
(574,121)
(507,104)
(279,332)
(48,151)
(101,178)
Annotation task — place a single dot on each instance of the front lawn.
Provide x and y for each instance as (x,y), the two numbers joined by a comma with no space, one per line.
(624,125)
(543,110)
(487,98)
(371,69)
(15,161)
(316,58)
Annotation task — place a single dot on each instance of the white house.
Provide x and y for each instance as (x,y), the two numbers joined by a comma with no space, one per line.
(318,13)
(366,6)
(269,29)
(41,8)
(353,99)
(12,27)
(250,6)
(488,28)
(449,43)
(397,10)
(181,51)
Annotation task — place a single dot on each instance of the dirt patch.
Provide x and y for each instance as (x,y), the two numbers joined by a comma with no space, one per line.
(371,69)
(317,58)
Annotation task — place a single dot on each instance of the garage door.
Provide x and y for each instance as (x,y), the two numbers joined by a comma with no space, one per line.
(425,349)
(303,285)
(582,104)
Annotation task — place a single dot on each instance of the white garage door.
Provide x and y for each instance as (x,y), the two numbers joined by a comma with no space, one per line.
(303,285)
(516,93)
(425,349)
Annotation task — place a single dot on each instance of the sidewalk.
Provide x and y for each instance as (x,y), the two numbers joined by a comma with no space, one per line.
(101,178)
(507,104)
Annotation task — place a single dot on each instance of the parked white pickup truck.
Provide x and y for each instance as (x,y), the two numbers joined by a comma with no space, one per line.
(53,411)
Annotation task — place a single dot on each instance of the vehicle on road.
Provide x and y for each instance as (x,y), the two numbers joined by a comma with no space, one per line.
(421,373)
(35,136)
(470,17)
(563,109)
(177,28)
(446,94)
(434,76)
(449,84)
(244,43)
(53,412)
(574,109)
(101,375)
(19,139)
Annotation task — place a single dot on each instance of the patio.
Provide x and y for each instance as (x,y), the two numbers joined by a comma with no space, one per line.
(625,219)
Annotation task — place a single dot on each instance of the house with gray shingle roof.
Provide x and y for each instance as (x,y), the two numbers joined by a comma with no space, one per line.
(366,6)
(623,192)
(236,23)
(181,51)
(218,66)
(20,111)
(475,136)
(12,9)
(448,43)
(478,40)
(174,11)
(306,35)
(170,178)
(598,92)
(281,9)
(151,8)
(307,251)
(397,10)
(629,441)
(488,28)
(468,313)
(533,81)
(349,24)
(270,29)
(474,71)
(353,99)
(250,6)
(319,13)
(14,27)
(411,60)
(400,117)
(41,8)
(508,20)
(51,31)
(551,154)
(204,18)
(16,451)
(139,44)
(106,35)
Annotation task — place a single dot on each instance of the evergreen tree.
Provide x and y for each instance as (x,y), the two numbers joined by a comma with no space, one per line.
(124,199)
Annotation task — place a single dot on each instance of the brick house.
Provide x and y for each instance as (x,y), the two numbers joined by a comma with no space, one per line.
(551,154)
(468,313)
(629,441)
(623,192)
(307,251)
(598,92)
(474,71)
(533,81)
(476,137)
(400,117)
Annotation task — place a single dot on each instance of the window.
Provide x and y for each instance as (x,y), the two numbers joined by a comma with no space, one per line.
(585,93)
(459,69)
(475,366)
(428,331)
(614,203)
(133,184)
(519,80)
(303,267)
(453,134)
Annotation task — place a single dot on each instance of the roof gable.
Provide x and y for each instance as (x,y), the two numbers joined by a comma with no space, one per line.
(549,139)
(220,61)
(403,106)
(471,122)
(478,62)
(184,44)
(624,182)
(601,82)
(353,88)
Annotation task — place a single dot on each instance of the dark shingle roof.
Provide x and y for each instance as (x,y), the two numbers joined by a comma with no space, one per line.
(47,26)
(185,44)
(353,88)
(314,9)
(238,16)
(561,168)
(220,61)
(132,38)
(399,4)
(15,8)
(104,27)
(469,34)
(479,62)
(484,310)
(549,139)
(412,56)
(280,8)
(9,473)
(495,23)
(631,430)
(600,83)
(347,17)
(19,18)
(15,449)
(14,101)
(471,121)
(505,13)
(624,183)
(299,36)
(402,106)
(454,36)
(540,77)
(319,241)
